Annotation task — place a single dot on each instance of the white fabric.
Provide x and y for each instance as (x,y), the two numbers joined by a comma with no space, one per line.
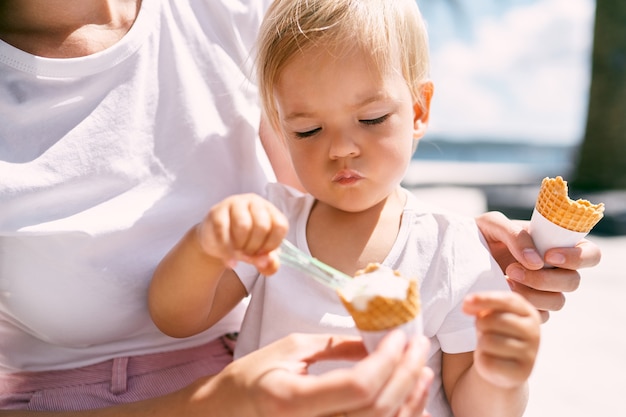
(446,252)
(105,162)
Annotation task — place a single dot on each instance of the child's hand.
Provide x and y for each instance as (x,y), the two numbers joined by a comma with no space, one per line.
(508,336)
(244,227)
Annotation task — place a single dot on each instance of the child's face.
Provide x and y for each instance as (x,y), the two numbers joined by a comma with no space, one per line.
(350,132)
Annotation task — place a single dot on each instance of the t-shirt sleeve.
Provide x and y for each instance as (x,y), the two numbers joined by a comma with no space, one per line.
(471,268)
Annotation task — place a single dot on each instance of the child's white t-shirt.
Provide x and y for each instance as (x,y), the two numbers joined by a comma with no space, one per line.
(445,252)
(105,162)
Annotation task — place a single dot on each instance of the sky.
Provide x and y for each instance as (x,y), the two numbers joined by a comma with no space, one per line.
(510,70)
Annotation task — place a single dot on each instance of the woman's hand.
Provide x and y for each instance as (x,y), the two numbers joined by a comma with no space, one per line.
(513,248)
(273,381)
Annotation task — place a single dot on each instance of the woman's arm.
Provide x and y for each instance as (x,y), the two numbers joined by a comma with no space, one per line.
(271,382)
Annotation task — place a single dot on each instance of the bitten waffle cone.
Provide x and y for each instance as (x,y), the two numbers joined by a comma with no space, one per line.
(384,313)
(554,204)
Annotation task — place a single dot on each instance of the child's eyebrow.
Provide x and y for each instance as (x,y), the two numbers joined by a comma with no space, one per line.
(378,96)
(298,115)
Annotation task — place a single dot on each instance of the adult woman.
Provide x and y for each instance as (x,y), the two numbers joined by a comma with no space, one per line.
(120,122)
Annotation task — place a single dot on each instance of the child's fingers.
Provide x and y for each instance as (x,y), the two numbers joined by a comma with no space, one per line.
(267,264)
(504,347)
(505,360)
(504,314)
(242,227)
(242,221)
(214,232)
(508,329)
(269,227)
(257,226)
(508,325)
(479,304)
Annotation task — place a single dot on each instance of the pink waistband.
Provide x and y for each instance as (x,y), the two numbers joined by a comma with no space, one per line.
(106,371)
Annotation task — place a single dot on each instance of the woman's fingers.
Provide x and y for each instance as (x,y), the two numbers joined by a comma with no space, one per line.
(509,240)
(388,382)
(585,254)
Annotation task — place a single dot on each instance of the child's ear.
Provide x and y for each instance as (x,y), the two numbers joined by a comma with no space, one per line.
(421,110)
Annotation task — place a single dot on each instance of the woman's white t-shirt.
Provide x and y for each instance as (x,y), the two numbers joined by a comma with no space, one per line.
(105,162)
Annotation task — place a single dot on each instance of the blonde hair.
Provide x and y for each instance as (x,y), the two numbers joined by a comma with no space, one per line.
(390,31)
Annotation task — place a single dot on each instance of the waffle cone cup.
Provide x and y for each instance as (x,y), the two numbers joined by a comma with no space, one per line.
(385,313)
(382,314)
(554,204)
(559,221)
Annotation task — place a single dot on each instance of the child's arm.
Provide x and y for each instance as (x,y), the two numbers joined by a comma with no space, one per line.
(193,286)
(492,380)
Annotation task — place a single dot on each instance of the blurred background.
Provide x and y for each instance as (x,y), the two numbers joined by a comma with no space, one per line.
(526,89)
(538,85)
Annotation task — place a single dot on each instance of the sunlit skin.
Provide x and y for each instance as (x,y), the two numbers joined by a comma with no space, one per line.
(72,28)
(349,132)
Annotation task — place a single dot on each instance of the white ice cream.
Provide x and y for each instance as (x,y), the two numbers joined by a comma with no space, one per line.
(381,282)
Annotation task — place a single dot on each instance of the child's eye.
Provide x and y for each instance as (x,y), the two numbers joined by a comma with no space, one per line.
(306,134)
(376,121)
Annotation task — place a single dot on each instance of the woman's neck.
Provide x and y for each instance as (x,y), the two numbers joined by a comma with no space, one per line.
(65,28)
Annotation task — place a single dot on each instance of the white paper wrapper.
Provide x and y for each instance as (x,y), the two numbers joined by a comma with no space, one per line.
(548,235)
(411,328)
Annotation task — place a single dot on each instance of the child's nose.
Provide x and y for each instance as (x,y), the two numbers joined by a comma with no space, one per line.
(342,146)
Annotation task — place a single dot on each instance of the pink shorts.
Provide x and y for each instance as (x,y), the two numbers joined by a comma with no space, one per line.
(116,381)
